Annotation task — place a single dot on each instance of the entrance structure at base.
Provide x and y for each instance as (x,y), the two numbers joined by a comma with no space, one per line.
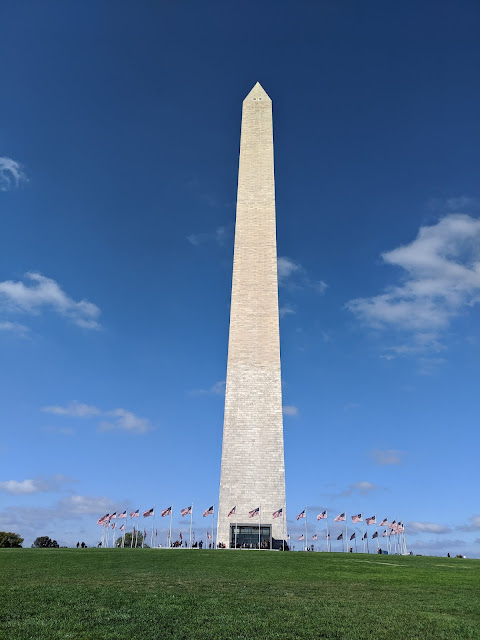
(253,469)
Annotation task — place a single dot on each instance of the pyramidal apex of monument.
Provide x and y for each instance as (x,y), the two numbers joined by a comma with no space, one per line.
(258,92)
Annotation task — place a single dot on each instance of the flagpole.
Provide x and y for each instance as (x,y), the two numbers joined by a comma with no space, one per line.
(191,521)
(328,536)
(170,534)
(346,531)
(213,520)
(363,528)
(283,536)
(259,525)
(153,524)
(136,537)
(306,537)
(376,524)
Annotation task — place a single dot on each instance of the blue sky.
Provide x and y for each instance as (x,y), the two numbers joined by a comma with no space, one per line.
(119,141)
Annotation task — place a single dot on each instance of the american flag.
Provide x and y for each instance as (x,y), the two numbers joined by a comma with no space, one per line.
(365,536)
(166,512)
(150,512)
(322,516)
(135,514)
(352,536)
(341,518)
(186,512)
(392,524)
(392,532)
(302,515)
(113,516)
(383,523)
(254,512)
(209,535)
(300,537)
(375,535)
(314,537)
(372,520)
(101,521)
(384,534)
(340,536)
(357,518)
(232,512)
(122,528)
(328,536)
(278,513)
(114,525)
(123,514)
(400,528)
(208,512)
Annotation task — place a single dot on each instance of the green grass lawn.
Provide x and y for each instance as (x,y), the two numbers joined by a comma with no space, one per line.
(145,593)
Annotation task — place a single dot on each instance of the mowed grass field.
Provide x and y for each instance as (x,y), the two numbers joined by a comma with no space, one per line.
(128,594)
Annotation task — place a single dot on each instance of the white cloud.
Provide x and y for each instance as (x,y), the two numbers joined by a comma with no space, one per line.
(16,327)
(473,526)
(75,409)
(11,174)
(286,310)
(81,505)
(441,270)
(387,456)
(219,235)
(426,527)
(123,420)
(35,485)
(363,488)
(286,267)
(216,389)
(43,292)
(290,410)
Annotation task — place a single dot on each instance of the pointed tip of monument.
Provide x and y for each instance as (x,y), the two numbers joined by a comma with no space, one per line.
(258,92)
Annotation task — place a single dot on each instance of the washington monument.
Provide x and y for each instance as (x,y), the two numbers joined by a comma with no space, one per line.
(253,469)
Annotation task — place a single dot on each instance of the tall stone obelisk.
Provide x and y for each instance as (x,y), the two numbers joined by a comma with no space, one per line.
(253,469)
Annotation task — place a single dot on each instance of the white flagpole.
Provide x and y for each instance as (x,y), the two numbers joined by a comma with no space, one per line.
(171,516)
(213,521)
(153,524)
(363,528)
(136,537)
(306,537)
(283,536)
(376,525)
(346,531)
(191,521)
(328,537)
(259,525)
(236,526)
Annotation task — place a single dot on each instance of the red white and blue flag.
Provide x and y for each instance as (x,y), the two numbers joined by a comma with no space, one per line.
(122,528)
(314,537)
(340,536)
(186,512)
(114,525)
(123,514)
(278,513)
(208,512)
(357,518)
(135,514)
(302,515)
(166,512)
(383,523)
(112,516)
(364,536)
(384,534)
(209,535)
(372,520)
(375,535)
(300,537)
(232,512)
(322,516)
(254,512)
(353,536)
(150,512)
(103,520)
(341,518)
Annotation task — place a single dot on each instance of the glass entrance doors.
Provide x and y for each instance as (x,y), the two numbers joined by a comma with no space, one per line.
(246,536)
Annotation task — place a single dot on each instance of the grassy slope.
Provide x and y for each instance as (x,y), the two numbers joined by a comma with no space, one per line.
(128,594)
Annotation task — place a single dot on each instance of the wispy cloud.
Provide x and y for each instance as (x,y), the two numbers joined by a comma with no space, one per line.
(216,389)
(455,204)
(11,174)
(44,293)
(387,456)
(220,235)
(290,410)
(426,527)
(363,488)
(441,278)
(14,327)
(286,310)
(473,525)
(117,419)
(35,485)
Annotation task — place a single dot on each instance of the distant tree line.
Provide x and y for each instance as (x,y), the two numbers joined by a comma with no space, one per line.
(9,540)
